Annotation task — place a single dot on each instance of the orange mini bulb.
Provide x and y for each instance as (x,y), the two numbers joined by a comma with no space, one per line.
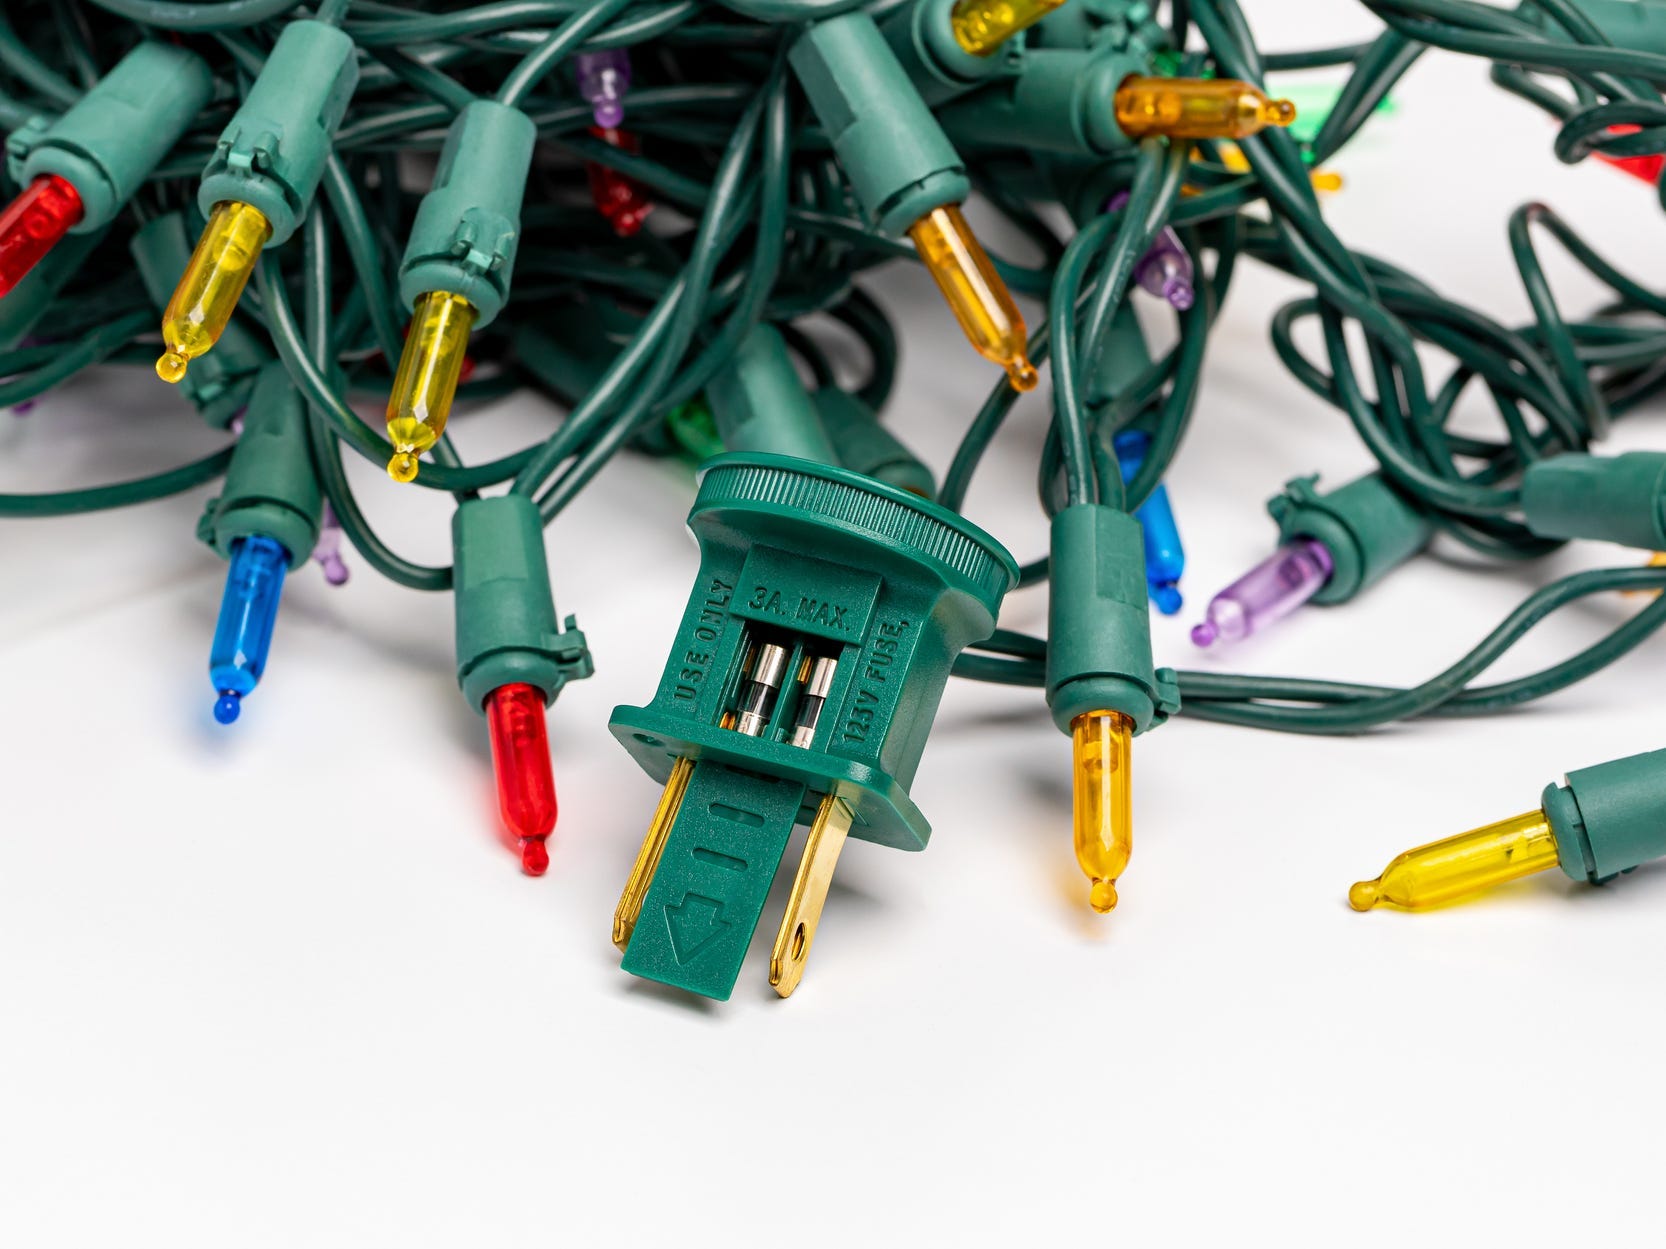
(1102,749)
(975,293)
(1196,108)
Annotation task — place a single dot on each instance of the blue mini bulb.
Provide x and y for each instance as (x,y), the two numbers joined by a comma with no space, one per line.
(248,613)
(1165,558)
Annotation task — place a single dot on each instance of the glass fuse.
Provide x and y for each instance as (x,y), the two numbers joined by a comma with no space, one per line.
(761,689)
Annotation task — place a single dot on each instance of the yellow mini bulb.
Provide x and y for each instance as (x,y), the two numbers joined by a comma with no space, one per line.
(1468,863)
(1101,746)
(982,26)
(426,383)
(974,291)
(1324,180)
(213,282)
(1196,108)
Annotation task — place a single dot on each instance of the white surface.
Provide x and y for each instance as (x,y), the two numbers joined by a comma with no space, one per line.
(283,986)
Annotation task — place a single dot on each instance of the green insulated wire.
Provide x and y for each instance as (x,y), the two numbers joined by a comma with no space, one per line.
(757,222)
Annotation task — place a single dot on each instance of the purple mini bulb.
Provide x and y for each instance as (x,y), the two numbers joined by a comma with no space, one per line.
(1270,591)
(326,552)
(603,79)
(1166,268)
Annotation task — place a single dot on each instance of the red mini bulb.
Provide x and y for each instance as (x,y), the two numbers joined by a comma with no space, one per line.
(618,198)
(521,755)
(32,224)
(1645,167)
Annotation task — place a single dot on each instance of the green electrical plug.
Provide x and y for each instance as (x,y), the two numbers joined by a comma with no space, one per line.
(801,687)
(513,658)
(260,182)
(1602,822)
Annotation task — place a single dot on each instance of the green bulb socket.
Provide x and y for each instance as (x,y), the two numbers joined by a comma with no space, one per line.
(1619,498)
(900,163)
(30,300)
(865,446)
(272,155)
(1637,25)
(1607,819)
(270,487)
(828,567)
(468,228)
(218,383)
(1122,25)
(1367,527)
(921,35)
(111,139)
(1123,361)
(760,405)
(507,630)
(1062,101)
(1099,624)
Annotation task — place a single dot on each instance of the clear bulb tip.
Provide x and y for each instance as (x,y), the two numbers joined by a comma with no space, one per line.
(228,707)
(171,367)
(403,467)
(535,856)
(1102,896)
(1364,895)
(1205,634)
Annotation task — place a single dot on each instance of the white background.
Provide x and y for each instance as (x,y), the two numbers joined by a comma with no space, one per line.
(282,985)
